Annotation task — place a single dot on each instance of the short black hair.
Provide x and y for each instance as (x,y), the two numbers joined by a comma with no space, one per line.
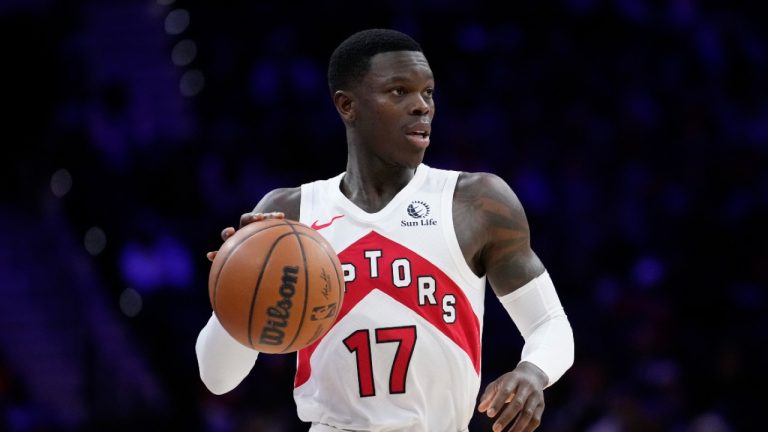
(351,59)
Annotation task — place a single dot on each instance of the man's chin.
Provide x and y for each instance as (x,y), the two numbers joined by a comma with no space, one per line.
(411,165)
(414,162)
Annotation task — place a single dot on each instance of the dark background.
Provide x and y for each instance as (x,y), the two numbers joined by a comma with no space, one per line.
(635,134)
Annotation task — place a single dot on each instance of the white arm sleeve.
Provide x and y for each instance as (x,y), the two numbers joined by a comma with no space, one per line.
(223,361)
(536,310)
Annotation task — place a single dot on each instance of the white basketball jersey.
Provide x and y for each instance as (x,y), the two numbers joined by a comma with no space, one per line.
(404,352)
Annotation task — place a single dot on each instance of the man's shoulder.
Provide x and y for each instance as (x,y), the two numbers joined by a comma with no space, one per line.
(479,182)
(284,194)
(484,190)
(286,200)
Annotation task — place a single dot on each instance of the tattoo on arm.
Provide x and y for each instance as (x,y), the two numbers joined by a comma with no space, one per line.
(494,226)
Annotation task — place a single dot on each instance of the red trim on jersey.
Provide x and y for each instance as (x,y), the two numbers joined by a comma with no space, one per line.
(465,331)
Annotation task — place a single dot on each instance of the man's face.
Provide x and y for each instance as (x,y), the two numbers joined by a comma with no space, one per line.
(394,108)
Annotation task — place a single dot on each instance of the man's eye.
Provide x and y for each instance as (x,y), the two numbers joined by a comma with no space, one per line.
(398,91)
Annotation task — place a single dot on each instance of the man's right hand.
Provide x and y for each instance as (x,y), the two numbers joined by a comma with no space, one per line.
(245,219)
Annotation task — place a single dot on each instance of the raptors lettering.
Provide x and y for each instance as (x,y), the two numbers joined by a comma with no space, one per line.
(421,299)
(397,273)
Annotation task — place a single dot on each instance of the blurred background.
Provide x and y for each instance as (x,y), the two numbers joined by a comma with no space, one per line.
(635,134)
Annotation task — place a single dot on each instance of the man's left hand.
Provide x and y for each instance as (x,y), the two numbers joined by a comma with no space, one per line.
(516,396)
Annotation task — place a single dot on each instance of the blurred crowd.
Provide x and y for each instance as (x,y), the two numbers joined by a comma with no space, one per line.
(635,134)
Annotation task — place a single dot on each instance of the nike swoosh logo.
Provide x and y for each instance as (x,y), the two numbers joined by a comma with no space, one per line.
(316,226)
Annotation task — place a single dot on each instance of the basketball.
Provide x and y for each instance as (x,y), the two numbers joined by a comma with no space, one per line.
(276,285)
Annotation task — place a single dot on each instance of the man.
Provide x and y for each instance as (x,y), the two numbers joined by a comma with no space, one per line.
(417,245)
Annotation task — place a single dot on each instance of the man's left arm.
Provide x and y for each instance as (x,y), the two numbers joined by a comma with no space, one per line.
(525,289)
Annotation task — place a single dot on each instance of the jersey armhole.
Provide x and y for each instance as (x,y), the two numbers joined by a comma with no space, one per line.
(449,231)
(305,204)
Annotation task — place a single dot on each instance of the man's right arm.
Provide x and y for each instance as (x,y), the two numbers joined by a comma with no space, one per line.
(223,361)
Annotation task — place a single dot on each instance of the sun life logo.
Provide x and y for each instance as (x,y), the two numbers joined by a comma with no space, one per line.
(418,210)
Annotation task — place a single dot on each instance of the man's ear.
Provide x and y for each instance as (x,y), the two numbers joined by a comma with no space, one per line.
(344,105)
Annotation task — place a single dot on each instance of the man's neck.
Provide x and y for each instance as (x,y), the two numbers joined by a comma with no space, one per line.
(372,187)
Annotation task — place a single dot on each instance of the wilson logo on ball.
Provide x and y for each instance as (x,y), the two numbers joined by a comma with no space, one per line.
(276,285)
(273,333)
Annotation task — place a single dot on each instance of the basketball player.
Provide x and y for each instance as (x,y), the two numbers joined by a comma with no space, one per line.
(416,245)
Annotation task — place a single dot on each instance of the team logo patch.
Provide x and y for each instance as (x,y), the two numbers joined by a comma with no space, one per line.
(418,209)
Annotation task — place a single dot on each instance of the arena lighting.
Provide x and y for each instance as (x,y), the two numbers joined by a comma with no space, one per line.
(191,83)
(61,183)
(95,240)
(176,21)
(130,302)
(184,52)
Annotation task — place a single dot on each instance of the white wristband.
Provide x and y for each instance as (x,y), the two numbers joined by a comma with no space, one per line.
(536,310)
(223,361)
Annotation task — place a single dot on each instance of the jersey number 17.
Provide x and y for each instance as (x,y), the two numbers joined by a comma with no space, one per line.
(359,343)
